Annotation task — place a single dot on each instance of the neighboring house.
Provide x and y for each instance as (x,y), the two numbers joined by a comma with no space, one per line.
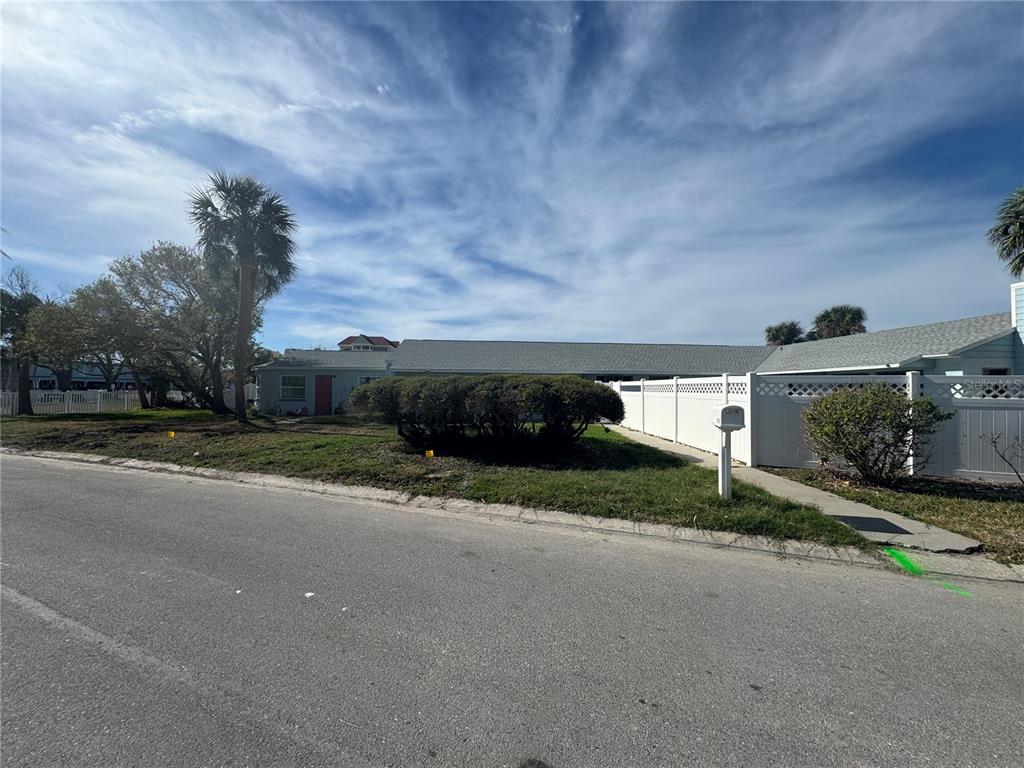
(986,345)
(316,382)
(363,343)
(82,377)
(973,346)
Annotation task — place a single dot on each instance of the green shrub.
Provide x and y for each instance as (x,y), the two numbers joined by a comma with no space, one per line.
(871,432)
(567,405)
(498,410)
(511,410)
(380,397)
(434,408)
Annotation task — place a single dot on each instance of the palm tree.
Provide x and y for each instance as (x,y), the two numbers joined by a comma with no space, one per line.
(1007,234)
(840,320)
(245,226)
(786,332)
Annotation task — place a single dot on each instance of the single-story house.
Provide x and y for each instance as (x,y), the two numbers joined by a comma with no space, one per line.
(318,380)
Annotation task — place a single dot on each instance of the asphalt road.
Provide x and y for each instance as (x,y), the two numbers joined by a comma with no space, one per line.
(152,620)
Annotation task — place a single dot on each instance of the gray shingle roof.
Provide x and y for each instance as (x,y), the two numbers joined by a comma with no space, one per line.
(439,356)
(331,358)
(877,349)
(893,347)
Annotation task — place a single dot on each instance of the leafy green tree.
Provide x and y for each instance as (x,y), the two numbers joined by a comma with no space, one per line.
(54,334)
(186,314)
(104,318)
(786,332)
(1007,234)
(19,295)
(247,229)
(840,320)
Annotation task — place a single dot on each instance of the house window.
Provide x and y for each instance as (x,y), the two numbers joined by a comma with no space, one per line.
(995,371)
(293,387)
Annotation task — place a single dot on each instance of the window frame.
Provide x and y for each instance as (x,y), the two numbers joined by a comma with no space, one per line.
(292,388)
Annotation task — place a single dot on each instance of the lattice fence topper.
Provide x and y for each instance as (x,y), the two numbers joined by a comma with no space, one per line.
(986,389)
(811,388)
(660,387)
(701,388)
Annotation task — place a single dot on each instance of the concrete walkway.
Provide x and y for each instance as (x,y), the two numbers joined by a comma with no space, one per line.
(874,524)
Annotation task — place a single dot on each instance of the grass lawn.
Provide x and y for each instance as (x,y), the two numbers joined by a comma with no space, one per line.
(605,475)
(994,515)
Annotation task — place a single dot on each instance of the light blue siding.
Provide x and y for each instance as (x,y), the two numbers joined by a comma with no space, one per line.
(998,353)
(343,381)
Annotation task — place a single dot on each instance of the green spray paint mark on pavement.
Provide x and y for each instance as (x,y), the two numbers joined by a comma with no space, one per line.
(904,561)
(954,588)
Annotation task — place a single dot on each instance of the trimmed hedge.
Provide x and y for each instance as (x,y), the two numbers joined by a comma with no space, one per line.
(440,410)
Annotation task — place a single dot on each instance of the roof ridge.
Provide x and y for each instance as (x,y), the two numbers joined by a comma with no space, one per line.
(597,343)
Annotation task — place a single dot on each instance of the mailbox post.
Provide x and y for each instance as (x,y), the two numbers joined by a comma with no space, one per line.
(729,419)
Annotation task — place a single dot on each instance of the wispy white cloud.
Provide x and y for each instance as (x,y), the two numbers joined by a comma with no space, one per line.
(644,172)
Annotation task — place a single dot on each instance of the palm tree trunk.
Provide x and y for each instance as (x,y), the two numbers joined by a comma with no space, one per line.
(24,387)
(242,333)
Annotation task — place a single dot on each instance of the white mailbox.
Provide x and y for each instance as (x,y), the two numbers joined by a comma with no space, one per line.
(730,418)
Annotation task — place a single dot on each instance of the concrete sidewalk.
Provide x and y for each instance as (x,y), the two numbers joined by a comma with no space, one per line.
(874,524)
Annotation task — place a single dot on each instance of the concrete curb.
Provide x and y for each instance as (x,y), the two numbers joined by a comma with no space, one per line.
(964,566)
(916,535)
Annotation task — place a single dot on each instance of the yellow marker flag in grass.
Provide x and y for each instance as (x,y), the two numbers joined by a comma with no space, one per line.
(429,454)
(170,434)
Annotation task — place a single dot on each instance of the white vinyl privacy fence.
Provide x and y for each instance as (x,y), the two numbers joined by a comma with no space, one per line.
(683,411)
(85,401)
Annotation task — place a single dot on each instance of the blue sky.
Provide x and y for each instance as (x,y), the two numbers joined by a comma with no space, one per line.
(663,173)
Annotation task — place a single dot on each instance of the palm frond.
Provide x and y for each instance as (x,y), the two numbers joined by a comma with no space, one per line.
(1007,234)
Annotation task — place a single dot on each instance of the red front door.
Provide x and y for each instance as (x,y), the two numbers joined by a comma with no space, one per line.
(323,395)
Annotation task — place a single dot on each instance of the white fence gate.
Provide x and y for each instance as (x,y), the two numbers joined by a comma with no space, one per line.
(683,410)
(84,401)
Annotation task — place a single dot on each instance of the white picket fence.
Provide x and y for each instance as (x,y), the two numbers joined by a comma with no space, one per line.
(98,401)
(83,401)
(683,410)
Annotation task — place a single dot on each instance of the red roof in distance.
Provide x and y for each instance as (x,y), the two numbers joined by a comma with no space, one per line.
(377,341)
